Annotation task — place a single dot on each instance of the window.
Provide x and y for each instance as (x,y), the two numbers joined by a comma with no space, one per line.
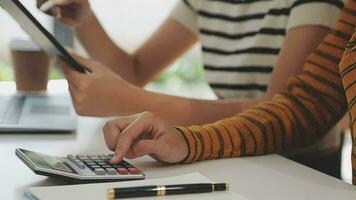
(128,22)
(131,22)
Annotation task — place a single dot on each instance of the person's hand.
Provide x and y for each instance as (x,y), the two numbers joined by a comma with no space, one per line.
(70,12)
(99,93)
(144,134)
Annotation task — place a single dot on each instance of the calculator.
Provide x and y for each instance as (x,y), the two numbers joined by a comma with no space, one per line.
(79,168)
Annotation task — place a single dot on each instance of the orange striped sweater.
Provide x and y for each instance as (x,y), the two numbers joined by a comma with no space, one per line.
(314,103)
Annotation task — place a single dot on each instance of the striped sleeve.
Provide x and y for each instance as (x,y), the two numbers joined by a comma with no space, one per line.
(314,102)
(348,74)
(185,14)
(314,12)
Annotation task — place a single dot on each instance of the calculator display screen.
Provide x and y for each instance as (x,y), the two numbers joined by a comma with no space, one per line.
(48,162)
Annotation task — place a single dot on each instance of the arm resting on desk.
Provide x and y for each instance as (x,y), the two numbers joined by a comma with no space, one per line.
(315,101)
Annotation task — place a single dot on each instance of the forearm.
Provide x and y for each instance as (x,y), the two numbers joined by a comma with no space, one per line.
(314,103)
(170,41)
(283,125)
(349,73)
(178,110)
(100,47)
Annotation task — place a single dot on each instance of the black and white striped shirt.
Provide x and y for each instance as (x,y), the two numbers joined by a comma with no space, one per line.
(241,39)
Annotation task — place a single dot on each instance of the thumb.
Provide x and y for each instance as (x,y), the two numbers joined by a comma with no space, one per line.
(144,147)
(90,64)
(68,71)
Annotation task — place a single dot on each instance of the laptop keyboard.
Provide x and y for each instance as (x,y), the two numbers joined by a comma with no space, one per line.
(11,109)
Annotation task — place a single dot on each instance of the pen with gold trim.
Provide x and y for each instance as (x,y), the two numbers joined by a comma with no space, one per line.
(163,190)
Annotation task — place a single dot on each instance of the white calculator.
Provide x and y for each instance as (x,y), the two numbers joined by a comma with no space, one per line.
(79,168)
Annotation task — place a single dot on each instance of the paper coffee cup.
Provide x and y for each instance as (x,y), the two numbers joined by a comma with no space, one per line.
(31,65)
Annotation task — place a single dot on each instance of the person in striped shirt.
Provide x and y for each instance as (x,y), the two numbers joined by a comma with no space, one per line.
(242,42)
(314,101)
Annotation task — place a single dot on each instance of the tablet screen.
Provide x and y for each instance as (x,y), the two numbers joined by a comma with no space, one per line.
(38,33)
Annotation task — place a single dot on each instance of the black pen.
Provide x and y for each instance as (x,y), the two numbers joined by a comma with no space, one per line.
(163,190)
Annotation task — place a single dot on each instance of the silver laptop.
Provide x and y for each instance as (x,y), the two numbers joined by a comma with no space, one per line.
(20,113)
(37,113)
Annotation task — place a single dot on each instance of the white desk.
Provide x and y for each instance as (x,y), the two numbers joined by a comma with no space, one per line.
(267,177)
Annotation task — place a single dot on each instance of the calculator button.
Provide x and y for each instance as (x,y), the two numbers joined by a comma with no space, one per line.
(107,157)
(80,165)
(79,155)
(134,171)
(103,157)
(106,166)
(76,160)
(111,171)
(94,157)
(92,167)
(122,171)
(90,163)
(82,158)
(70,156)
(118,166)
(99,171)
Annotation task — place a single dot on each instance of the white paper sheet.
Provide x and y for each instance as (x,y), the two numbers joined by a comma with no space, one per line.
(99,191)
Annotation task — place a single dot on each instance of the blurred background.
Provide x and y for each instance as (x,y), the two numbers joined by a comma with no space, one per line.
(129,23)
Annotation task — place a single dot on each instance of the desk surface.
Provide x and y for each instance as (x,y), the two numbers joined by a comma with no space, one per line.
(266,177)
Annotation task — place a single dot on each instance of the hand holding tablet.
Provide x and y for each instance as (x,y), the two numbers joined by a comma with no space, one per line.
(39,34)
(99,93)
(70,12)
(101,87)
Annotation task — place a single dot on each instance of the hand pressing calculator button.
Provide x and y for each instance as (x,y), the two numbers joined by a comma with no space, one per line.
(79,168)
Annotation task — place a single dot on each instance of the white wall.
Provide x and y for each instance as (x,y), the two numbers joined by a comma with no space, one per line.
(10,29)
(129,22)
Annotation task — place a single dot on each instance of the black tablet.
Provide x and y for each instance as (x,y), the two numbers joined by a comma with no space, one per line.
(38,33)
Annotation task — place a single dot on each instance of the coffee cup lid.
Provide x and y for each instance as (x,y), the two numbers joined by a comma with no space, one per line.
(24,45)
